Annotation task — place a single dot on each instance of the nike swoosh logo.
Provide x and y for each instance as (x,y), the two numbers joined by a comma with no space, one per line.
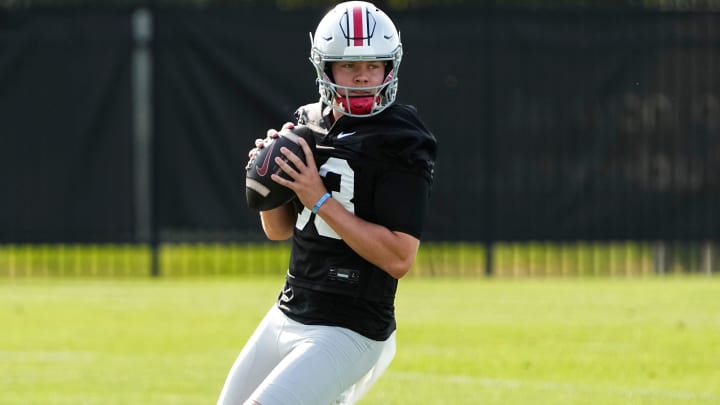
(344,134)
(262,170)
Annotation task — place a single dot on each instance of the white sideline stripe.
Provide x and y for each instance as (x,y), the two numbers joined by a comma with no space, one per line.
(255,185)
(553,386)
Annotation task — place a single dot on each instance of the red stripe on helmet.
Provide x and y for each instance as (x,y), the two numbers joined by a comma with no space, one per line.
(358,26)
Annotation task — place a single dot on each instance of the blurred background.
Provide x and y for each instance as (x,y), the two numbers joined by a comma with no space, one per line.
(577,137)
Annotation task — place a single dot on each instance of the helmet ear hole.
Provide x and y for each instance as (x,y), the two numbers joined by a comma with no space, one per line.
(328,72)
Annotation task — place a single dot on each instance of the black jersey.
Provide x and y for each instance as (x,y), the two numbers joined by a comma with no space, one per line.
(380,168)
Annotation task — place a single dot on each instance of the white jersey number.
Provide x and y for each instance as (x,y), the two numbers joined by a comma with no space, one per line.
(342,191)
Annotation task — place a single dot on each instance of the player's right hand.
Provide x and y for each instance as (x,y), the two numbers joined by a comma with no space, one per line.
(271,134)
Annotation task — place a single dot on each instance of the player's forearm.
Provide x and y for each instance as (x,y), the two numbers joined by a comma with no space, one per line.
(278,223)
(394,252)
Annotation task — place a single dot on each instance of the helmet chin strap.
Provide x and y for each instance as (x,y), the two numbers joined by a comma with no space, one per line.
(358,104)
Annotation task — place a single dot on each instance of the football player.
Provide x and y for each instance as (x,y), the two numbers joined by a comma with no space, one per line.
(355,225)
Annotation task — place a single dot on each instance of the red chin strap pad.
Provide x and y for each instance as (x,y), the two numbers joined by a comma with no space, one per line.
(358,104)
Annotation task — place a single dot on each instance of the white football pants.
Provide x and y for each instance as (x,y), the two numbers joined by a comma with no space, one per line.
(288,363)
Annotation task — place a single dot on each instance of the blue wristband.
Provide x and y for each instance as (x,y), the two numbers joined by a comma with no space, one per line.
(320,202)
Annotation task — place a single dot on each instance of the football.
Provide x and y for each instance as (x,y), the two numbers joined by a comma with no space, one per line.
(261,191)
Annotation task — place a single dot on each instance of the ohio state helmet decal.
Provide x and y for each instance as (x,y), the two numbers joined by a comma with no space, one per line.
(358,27)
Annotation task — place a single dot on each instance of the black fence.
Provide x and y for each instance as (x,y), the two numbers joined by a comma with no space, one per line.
(124,125)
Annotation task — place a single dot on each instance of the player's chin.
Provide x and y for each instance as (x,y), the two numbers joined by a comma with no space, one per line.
(353,94)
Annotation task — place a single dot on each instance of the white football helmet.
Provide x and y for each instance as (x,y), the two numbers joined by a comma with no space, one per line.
(356,31)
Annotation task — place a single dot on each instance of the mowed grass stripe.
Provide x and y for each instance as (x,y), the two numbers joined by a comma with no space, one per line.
(654,340)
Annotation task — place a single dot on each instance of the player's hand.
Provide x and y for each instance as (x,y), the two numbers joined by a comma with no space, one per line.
(306,181)
(269,137)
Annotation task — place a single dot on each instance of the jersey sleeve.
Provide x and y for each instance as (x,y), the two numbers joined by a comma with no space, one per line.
(401,199)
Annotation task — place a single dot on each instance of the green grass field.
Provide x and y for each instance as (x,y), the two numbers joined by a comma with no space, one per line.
(646,340)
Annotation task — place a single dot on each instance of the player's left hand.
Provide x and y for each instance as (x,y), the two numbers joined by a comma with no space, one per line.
(271,135)
(306,181)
